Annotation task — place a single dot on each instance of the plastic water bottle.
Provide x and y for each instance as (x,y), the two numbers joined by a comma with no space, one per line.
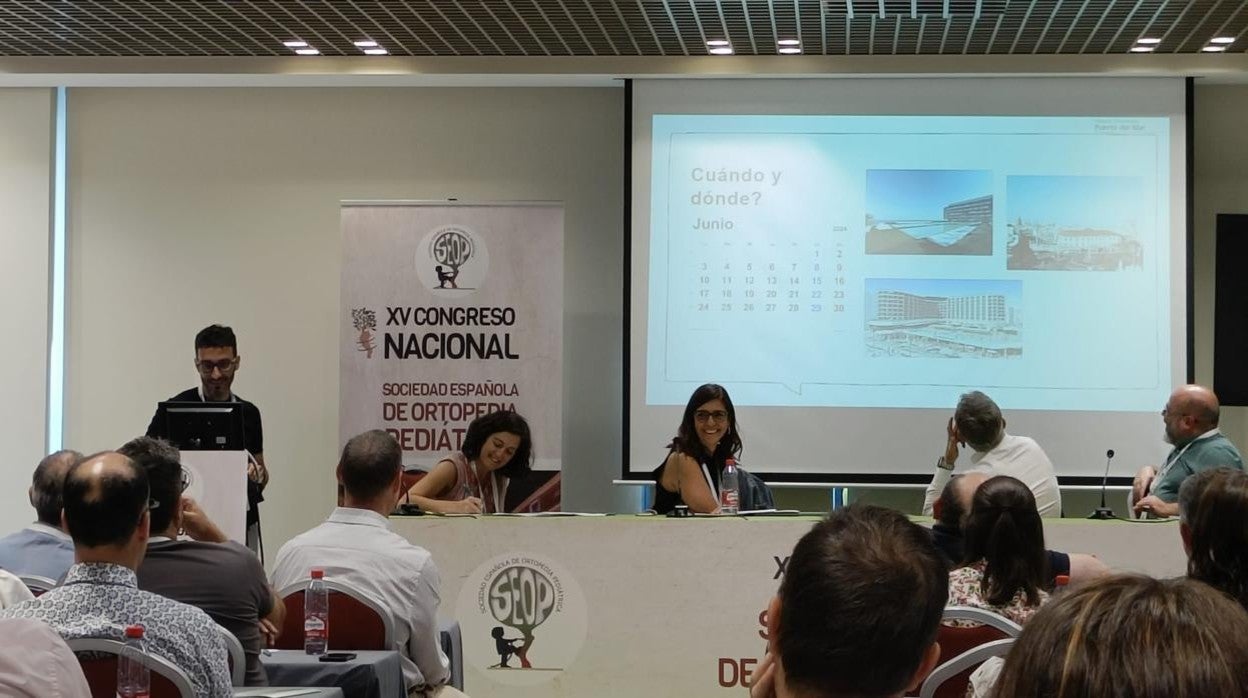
(133,679)
(729,489)
(316,615)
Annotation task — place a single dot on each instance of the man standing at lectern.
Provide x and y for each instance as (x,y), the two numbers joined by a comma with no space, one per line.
(217,361)
(1191,419)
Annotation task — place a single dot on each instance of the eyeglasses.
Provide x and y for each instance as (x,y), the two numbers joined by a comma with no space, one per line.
(1165,412)
(717,416)
(224,365)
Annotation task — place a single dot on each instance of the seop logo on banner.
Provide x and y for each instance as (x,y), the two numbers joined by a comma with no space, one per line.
(523,619)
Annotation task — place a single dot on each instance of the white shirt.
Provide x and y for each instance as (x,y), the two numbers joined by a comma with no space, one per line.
(357,547)
(36,663)
(1016,456)
(12,590)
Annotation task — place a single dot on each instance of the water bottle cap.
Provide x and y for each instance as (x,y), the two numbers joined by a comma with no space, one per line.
(730,461)
(133,631)
(318,573)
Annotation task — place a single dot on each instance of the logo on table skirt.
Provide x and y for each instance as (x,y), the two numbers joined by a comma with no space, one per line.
(364,321)
(523,619)
(452,261)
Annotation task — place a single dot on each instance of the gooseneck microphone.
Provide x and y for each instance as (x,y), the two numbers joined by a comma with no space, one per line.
(1103,512)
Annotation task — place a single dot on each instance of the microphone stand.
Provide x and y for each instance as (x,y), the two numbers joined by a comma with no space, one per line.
(1103,512)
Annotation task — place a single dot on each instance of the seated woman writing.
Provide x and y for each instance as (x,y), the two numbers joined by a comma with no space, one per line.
(473,480)
(706,438)
(1006,566)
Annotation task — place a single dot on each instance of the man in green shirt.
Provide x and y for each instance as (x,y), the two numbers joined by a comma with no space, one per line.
(1191,418)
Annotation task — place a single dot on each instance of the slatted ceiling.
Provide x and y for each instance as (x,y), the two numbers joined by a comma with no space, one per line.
(611,27)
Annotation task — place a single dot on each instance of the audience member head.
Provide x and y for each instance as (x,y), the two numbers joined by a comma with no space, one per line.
(979,421)
(1191,411)
(1213,511)
(216,359)
(371,472)
(47,483)
(955,499)
(106,509)
(162,462)
(1004,530)
(708,429)
(858,609)
(500,441)
(1131,636)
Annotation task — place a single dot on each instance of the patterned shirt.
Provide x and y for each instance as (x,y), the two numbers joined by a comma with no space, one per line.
(966,589)
(99,600)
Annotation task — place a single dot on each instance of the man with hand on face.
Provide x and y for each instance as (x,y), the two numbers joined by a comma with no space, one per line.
(1191,419)
(977,423)
(217,361)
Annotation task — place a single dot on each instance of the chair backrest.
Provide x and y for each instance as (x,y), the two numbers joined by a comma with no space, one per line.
(951,678)
(356,622)
(38,585)
(98,658)
(452,641)
(755,494)
(235,656)
(955,641)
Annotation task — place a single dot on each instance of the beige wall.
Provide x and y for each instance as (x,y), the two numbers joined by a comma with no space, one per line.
(26,119)
(193,206)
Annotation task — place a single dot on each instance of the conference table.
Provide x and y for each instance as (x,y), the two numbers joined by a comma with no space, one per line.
(647,605)
(371,674)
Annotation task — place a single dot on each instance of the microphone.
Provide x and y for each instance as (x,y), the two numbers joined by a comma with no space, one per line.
(1103,512)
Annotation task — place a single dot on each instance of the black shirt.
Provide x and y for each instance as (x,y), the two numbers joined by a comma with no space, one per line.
(253,431)
(665,501)
(253,441)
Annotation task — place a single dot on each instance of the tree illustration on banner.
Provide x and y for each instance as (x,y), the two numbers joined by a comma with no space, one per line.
(365,321)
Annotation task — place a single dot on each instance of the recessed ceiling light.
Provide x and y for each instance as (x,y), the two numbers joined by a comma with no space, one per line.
(1142,49)
(789,42)
(375,51)
(722,50)
(789,50)
(366,43)
(717,42)
(294,43)
(1222,40)
(1213,49)
(1147,40)
(306,51)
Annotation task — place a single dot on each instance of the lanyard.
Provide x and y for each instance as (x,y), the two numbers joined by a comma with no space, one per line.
(495,490)
(1175,458)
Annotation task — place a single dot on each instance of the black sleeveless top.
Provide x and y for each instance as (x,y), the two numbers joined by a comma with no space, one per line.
(665,501)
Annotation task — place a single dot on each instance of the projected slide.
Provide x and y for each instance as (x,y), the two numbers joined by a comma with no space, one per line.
(841,261)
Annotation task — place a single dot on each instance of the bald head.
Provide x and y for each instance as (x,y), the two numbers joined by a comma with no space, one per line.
(47,483)
(105,500)
(955,500)
(1191,411)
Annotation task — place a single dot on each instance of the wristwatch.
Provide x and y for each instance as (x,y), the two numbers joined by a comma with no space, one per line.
(943,464)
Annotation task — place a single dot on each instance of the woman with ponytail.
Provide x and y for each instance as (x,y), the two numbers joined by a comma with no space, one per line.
(1006,567)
